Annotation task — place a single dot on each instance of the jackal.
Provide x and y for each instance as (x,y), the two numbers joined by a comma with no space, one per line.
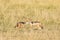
(37,24)
(20,24)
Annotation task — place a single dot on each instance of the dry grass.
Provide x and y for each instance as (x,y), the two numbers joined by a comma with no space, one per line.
(45,11)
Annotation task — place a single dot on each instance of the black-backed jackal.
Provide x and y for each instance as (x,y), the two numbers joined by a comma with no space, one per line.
(20,24)
(36,24)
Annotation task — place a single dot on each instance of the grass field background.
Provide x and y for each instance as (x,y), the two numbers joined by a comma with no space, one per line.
(45,11)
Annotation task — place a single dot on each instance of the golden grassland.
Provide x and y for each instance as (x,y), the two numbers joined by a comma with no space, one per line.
(45,11)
